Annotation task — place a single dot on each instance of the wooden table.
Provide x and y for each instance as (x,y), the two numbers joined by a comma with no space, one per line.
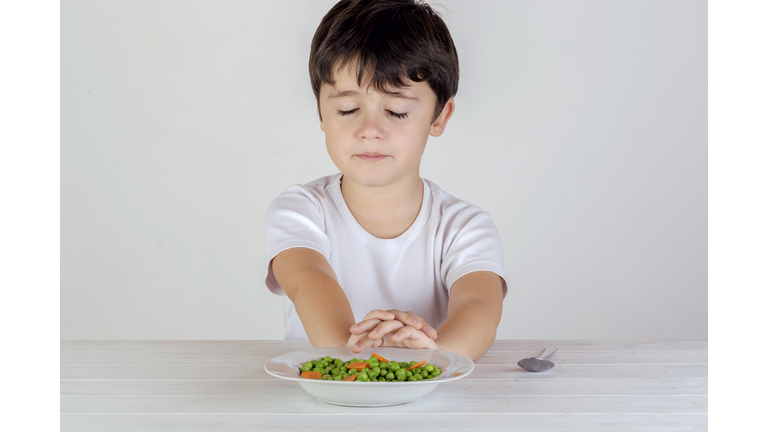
(222,386)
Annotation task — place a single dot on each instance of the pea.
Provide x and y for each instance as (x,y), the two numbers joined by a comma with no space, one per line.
(424,374)
(436,372)
(362,377)
(394,366)
(401,377)
(373,363)
(429,367)
(408,373)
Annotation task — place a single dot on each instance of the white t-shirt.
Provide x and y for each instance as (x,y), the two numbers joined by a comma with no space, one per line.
(413,272)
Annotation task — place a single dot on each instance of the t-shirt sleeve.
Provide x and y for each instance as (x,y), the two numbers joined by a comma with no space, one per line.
(294,219)
(471,243)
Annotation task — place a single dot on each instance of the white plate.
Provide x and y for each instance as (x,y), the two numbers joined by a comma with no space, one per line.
(370,394)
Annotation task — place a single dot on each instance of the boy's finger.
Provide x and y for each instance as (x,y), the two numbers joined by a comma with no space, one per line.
(410,318)
(384,328)
(364,326)
(362,344)
(408,332)
(379,314)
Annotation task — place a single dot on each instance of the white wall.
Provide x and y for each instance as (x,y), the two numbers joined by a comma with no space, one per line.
(581,127)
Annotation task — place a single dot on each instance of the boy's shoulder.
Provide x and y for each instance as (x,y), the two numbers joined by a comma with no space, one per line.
(316,190)
(448,204)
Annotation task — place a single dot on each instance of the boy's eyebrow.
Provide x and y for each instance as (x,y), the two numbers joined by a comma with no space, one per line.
(346,93)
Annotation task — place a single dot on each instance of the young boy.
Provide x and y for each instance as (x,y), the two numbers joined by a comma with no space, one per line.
(376,244)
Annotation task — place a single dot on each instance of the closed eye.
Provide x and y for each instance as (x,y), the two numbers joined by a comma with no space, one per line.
(343,113)
(398,115)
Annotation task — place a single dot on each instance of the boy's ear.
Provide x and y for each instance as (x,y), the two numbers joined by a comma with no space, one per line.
(438,126)
(322,125)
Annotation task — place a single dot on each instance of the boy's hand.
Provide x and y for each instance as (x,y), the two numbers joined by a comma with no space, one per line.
(391,328)
(377,318)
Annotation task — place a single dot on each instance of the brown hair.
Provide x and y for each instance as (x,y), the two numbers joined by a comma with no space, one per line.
(393,40)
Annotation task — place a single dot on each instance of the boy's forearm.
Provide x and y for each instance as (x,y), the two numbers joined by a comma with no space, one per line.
(470,329)
(310,282)
(324,311)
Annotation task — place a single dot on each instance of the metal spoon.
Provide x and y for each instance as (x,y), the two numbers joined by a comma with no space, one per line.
(539,364)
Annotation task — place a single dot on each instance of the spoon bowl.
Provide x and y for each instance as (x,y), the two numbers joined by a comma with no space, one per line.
(538,364)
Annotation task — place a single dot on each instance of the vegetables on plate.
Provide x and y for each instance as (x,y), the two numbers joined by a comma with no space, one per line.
(376,368)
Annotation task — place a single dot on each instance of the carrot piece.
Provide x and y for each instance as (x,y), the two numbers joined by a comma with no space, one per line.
(358,365)
(417,365)
(311,375)
(457,373)
(380,358)
(349,378)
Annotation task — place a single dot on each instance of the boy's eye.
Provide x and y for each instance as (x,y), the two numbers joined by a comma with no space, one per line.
(398,115)
(343,113)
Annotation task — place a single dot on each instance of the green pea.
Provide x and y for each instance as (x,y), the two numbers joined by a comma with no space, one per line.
(429,367)
(390,376)
(401,377)
(424,374)
(394,366)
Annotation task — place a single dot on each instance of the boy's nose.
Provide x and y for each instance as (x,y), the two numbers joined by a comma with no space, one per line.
(371,127)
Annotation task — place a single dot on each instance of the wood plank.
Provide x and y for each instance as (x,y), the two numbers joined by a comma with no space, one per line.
(272,387)
(281,346)
(538,346)
(272,346)
(216,358)
(371,421)
(429,404)
(496,372)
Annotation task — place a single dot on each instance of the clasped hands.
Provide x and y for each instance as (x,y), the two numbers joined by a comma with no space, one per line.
(392,328)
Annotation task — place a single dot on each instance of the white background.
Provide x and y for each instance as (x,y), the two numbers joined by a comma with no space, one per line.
(581,127)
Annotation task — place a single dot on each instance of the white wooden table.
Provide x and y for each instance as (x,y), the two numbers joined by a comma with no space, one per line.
(222,386)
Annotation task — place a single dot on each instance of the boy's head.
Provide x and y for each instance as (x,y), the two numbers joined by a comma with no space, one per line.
(387,43)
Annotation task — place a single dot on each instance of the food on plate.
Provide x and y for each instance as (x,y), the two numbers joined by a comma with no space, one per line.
(376,368)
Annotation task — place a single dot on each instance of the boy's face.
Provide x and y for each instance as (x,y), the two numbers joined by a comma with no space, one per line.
(377,139)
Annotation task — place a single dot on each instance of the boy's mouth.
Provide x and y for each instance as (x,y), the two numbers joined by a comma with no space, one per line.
(371,156)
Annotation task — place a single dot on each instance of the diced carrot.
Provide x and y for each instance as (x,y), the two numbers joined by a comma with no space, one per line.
(311,375)
(358,365)
(381,359)
(457,373)
(349,378)
(417,365)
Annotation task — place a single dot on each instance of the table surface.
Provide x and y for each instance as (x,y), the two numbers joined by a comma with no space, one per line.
(596,385)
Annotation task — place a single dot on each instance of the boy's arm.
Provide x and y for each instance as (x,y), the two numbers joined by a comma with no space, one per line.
(311,284)
(474,313)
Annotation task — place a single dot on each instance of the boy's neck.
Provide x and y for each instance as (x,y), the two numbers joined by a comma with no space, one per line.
(385,212)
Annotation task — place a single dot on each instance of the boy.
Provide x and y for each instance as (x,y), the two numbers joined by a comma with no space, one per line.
(375,240)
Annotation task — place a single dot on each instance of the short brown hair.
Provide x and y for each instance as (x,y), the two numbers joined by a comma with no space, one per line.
(393,40)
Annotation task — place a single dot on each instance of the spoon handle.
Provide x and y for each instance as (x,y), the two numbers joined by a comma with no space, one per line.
(548,353)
